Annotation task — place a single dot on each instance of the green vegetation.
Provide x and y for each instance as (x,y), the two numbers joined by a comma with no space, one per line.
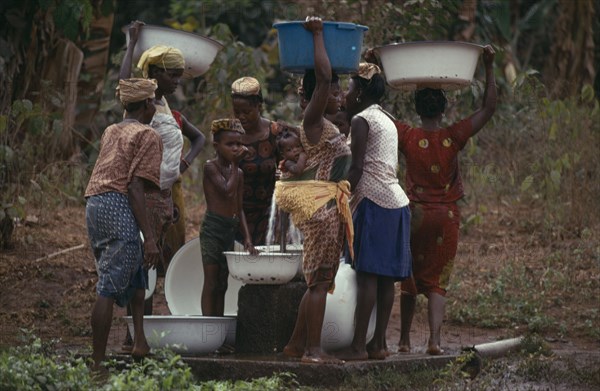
(37,366)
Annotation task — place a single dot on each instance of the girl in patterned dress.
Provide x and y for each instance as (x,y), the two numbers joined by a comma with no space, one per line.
(434,186)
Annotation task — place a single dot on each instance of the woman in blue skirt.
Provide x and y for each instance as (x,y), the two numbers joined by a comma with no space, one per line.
(381,215)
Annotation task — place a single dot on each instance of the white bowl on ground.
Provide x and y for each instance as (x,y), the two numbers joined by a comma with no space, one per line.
(185,334)
(266,268)
(446,65)
(184,281)
(199,52)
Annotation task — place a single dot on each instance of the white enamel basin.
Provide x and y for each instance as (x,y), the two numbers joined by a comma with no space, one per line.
(185,334)
(184,281)
(199,52)
(266,268)
(444,65)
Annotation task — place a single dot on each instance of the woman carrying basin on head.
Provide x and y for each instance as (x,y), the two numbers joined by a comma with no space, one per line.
(318,200)
(434,186)
(166,207)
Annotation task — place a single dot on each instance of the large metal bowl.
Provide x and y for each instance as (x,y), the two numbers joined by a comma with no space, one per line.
(434,64)
(199,52)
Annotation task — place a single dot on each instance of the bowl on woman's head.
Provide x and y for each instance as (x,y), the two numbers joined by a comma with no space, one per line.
(446,65)
(199,52)
(343,42)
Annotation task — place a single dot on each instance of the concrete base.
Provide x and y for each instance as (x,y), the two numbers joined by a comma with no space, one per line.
(266,316)
(246,367)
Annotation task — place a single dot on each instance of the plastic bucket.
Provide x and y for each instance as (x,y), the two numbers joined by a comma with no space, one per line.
(343,42)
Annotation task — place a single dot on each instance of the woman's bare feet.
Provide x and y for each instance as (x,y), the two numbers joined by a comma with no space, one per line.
(293,351)
(351,354)
(402,348)
(376,351)
(321,359)
(139,352)
(434,349)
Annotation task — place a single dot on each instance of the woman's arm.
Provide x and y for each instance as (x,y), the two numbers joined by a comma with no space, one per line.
(134,31)
(313,115)
(197,140)
(137,202)
(359,128)
(483,115)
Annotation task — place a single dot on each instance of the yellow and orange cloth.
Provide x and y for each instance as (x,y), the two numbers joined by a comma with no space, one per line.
(302,199)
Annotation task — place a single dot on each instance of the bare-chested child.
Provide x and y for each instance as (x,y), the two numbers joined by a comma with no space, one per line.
(223,183)
(293,157)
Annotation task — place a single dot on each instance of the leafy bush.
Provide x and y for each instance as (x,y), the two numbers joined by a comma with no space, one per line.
(33,367)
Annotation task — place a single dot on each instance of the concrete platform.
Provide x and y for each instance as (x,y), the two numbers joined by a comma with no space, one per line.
(244,367)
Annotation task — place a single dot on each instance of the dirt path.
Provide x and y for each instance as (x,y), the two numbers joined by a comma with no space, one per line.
(53,296)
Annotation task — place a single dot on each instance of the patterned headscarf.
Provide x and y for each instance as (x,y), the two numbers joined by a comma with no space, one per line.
(135,90)
(166,57)
(367,70)
(246,86)
(229,124)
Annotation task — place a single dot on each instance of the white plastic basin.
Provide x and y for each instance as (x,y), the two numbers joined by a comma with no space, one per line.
(289,248)
(444,65)
(185,334)
(199,52)
(338,324)
(266,268)
(151,283)
(184,281)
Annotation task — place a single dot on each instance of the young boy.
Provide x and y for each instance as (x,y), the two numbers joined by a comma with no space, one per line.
(223,190)
(293,157)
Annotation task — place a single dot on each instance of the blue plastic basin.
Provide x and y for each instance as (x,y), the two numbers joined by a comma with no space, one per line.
(343,42)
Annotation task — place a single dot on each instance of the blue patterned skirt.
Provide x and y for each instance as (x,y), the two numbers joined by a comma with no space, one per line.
(117,246)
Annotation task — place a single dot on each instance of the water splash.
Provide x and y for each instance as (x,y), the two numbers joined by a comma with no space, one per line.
(293,236)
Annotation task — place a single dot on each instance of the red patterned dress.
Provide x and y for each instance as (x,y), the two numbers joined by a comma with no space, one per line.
(433,185)
(259,183)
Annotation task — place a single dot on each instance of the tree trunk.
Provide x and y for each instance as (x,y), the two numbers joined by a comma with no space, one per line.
(571,64)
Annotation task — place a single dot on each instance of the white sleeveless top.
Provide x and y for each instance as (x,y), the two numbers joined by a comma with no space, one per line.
(379,182)
(172,139)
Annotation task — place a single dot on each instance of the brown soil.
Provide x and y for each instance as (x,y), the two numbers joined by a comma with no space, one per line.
(52,295)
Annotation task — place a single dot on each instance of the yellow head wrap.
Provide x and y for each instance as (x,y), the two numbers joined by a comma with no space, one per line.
(246,86)
(135,90)
(166,57)
(232,125)
(367,70)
